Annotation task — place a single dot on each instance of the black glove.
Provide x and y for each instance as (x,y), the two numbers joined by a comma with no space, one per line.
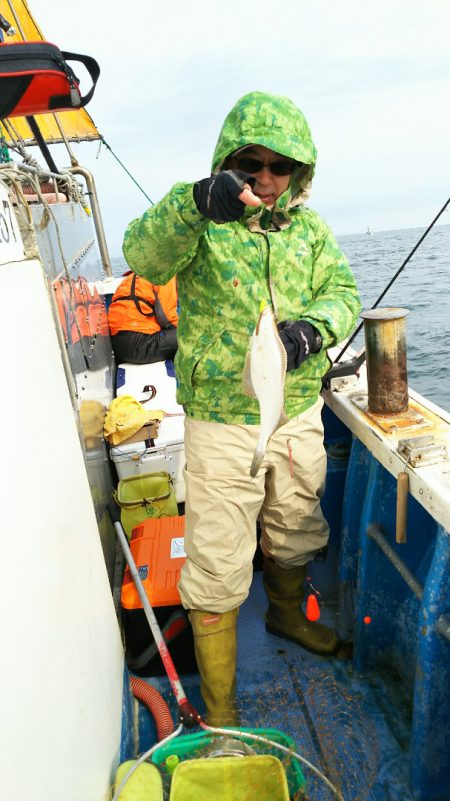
(217,197)
(299,339)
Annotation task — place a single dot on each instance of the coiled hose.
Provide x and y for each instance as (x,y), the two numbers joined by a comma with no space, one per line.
(156,704)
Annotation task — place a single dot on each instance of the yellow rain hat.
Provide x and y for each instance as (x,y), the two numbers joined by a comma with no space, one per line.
(125,416)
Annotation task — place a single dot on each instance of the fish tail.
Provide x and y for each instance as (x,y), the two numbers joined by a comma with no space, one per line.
(258,456)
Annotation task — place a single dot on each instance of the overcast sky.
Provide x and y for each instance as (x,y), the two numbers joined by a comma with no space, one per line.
(372,78)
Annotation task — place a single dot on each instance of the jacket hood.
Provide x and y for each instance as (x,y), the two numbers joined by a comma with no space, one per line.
(274,121)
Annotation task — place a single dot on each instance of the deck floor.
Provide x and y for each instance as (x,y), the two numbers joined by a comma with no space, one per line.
(353,728)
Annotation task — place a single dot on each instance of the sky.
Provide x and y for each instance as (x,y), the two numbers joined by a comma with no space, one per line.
(372,78)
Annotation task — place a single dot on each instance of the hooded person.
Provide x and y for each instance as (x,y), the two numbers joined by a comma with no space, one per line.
(237,239)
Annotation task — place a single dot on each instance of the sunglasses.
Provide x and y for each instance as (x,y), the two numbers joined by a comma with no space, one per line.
(252,166)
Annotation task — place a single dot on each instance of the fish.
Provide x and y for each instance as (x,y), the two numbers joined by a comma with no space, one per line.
(263,378)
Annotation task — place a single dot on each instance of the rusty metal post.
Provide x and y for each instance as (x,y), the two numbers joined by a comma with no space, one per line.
(387,377)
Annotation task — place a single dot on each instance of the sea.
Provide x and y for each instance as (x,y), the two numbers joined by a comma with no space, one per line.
(421,288)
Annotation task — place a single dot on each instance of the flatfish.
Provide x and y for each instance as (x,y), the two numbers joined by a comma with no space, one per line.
(263,378)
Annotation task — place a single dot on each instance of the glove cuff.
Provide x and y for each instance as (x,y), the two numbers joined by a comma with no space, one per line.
(313,336)
(299,338)
(310,336)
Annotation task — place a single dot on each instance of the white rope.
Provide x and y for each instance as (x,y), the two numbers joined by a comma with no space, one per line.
(285,749)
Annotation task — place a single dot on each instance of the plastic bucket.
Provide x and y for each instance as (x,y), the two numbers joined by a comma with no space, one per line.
(145,495)
(191,746)
(253,778)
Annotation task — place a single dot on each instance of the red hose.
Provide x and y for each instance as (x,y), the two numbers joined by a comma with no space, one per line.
(156,704)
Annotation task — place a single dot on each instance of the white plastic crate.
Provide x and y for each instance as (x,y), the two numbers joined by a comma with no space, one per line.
(166,451)
(132,378)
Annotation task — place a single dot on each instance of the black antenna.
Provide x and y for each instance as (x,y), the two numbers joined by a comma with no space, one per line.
(42,144)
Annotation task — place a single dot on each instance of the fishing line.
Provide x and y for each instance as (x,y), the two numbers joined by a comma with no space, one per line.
(257,738)
(385,290)
(104,142)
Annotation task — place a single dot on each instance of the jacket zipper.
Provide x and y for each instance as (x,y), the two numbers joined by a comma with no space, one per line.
(269,279)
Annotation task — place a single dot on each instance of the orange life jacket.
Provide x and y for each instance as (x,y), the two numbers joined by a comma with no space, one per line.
(62,305)
(72,313)
(82,297)
(142,307)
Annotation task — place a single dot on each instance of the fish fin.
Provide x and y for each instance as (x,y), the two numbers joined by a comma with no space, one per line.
(247,385)
(258,456)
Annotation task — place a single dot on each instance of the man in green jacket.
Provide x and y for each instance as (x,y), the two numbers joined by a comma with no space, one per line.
(235,240)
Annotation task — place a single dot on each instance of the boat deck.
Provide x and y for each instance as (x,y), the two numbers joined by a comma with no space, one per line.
(353,728)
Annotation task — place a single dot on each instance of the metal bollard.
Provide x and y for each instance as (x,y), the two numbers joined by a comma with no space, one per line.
(387,377)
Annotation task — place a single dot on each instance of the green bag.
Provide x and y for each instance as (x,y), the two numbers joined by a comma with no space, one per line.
(145,495)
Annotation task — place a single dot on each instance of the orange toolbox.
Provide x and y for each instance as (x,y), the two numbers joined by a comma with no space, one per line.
(157,546)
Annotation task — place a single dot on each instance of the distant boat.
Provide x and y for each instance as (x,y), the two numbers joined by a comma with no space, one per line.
(369,232)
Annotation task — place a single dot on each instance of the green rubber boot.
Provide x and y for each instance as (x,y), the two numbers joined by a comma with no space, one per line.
(215,642)
(284,616)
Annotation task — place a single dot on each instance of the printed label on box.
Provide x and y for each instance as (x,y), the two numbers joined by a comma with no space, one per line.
(177,548)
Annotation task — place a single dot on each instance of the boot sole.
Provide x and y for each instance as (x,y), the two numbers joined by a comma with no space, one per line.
(292,639)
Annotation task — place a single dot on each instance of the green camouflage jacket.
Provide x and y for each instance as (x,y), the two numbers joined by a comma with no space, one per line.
(287,257)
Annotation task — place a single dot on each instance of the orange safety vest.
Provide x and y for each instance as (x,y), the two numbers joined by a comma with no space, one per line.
(142,307)
(82,294)
(71,300)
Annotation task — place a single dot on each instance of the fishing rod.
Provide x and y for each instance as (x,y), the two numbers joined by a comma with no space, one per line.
(105,143)
(352,365)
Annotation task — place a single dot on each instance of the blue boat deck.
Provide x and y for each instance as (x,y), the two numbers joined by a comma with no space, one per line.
(353,728)
(377,725)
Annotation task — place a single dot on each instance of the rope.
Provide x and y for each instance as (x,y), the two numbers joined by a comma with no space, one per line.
(17,143)
(103,141)
(74,191)
(5,158)
(9,172)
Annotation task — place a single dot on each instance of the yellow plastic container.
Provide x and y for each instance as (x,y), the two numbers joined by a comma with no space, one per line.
(145,784)
(193,746)
(143,496)
(249,778)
